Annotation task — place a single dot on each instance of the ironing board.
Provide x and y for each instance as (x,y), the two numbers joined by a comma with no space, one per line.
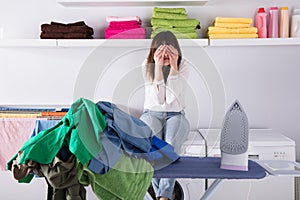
(209,168)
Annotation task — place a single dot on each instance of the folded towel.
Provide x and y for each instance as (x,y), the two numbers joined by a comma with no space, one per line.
(124,24)
(137,33)
(125,31)
(220,30)
(124,36)
(170,10)
(168,15)
(54,35)
(233,20)
(175,22)
(125,18)
(79,23)
(178,35)
(231,36)
(67,29)
(231,25)
(176,29)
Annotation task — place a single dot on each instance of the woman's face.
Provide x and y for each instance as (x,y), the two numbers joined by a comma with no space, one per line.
(166,59)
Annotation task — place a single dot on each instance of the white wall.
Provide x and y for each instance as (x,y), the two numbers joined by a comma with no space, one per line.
(264,79)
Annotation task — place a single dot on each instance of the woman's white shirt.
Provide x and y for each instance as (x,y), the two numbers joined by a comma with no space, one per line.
(169,96)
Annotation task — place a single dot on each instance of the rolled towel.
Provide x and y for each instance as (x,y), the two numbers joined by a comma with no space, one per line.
(125,18)
(170,10)
(231,36)
(168,15)
(231,25)
(175,22)
(220,30)
(233,20)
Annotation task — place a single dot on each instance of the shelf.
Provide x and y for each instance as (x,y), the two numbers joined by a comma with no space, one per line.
(27,43)
(91,43)
(124,42)
(113,43)
(254,42)
(92,3)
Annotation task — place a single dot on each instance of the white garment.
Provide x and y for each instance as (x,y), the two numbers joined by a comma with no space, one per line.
(170,96)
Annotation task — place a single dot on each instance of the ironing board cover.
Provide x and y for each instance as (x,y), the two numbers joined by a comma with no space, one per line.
(208,167)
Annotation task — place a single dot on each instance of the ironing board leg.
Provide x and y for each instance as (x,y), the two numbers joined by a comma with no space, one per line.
(211,189)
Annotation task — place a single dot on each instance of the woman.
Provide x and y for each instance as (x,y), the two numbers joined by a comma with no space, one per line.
(165,74)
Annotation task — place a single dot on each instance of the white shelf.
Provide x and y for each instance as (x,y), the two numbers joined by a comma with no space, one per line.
(94,43)
(91,43)
(92,3)
(27,43)
(254,42)
(124,42)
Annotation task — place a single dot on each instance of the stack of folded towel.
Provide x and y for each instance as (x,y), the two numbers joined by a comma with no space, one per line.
(76,30)
(175,20)
(227,27)
(128,27)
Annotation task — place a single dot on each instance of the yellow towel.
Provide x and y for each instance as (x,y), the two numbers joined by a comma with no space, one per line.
(231,25)
(221,30)
(231,36)
(233,20)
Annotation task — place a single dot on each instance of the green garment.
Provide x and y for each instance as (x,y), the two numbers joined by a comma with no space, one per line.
(170,10)
(79,129)
(129,179)
(193,23)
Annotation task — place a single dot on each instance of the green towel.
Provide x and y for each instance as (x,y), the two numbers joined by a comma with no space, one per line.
(129,179)
(175,22)
(175,29)
(170,10)
(168,15)
(181,35)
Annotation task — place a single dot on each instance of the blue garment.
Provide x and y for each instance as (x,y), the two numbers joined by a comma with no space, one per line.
(127,133)
(41,125)
(123,133)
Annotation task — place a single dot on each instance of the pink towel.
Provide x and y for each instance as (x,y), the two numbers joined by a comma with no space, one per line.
(121,36)
(124,25)
(14,132)
(126,33)
(126,18)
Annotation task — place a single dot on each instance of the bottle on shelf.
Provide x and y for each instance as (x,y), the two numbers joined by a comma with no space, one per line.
(261,22)
(273,22)
(284,22)
(295,24)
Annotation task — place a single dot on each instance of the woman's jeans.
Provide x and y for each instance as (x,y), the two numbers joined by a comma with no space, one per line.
(172,127)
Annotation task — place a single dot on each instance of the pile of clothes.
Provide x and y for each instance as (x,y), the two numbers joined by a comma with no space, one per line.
(76,30)
(175,20)
(128,27)
(231,27)
(93,144)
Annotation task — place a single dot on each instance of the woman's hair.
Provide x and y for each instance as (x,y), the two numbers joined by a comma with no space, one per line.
(164,37)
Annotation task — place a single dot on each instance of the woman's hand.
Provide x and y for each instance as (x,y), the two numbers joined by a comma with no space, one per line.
(159,55)
(173,57)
